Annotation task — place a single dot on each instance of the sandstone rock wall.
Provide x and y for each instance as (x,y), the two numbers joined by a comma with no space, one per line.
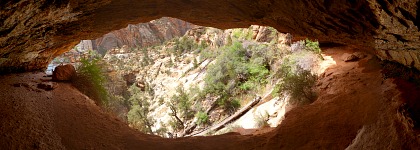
(32,33)
(144,34)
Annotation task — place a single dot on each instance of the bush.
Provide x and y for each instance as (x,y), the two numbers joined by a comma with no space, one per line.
(237,70)
(223,77)
(242,34)
(184,44)
(182,102)
(298,84)
(138,116)
(202,118)
(90,80)
(314,47)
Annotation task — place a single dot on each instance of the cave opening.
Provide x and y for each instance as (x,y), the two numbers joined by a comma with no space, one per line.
(197,80)
(353,107)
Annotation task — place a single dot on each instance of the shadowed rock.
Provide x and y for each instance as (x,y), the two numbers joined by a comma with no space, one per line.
(64,73)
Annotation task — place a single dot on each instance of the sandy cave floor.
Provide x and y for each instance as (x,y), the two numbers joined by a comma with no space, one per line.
(356,109)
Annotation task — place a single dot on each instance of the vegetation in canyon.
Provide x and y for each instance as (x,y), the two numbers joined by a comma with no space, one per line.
(190,83)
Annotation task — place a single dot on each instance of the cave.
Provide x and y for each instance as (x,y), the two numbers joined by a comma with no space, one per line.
(34,33)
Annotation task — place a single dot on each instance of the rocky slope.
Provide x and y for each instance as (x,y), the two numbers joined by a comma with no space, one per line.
(159,71)
(33,33)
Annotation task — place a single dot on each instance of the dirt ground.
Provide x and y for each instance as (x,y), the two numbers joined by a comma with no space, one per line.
(356,109)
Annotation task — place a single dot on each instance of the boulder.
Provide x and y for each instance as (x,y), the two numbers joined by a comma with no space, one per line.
(63,73)
(360,55)
(349,57)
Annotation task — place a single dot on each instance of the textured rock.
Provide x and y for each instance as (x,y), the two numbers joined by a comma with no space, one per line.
(409,58)
(349,57)
(63,73)
(32,33)
(143,34)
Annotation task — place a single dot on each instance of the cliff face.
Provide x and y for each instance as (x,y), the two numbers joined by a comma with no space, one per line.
(143,34)
(33,33)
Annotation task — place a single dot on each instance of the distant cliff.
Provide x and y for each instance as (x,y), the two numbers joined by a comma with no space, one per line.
(139,35)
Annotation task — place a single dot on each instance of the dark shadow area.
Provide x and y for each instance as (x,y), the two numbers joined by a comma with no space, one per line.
(330,44)
(408,82)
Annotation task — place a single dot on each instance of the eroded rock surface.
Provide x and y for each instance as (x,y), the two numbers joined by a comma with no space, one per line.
(143,34)
(33,33)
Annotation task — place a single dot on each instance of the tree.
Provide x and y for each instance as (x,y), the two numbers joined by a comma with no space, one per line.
(139,111)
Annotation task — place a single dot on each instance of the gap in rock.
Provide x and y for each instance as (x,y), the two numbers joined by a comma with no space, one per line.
(174,79)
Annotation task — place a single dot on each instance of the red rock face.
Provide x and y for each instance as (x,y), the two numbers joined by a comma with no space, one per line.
(32,33)
(144,34)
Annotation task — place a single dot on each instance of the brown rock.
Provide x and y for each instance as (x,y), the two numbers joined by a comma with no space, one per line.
(46,86)
(360,55)
(63,73)
(129,79)
(349,57)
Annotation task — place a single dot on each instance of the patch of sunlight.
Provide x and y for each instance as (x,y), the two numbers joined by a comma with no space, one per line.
(326,63)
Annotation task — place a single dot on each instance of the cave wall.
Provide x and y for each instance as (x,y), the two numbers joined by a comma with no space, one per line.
(32,32)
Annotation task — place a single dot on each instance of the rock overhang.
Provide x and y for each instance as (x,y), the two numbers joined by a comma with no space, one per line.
(33,33)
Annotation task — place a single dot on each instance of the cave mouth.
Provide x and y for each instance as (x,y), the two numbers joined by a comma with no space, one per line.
(184,43)
(211,75)
(384,27)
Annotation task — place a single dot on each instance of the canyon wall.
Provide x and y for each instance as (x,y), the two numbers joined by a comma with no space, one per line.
(32,33)
(143,34)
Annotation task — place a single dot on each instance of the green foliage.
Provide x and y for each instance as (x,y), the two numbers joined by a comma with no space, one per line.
(296,77)
(208,53)
(91,80)
(299,84)
(146,60)
(258,76)
(183,103)
(138,116)
(202,45)
(175,125)
(314,47)
(236,70)
(223,77)
(202,117)
(195,63)
(184,44)
(242,34)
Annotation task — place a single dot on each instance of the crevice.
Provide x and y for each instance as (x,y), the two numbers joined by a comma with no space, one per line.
(403,22)
(385,6)
(399,37)
(406,14)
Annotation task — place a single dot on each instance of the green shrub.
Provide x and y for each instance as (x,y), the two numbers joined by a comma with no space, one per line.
(184,44)
(236,70)
(138,116)
(182,102)
(314,47)
(299,84)
(195,63)
(90,80)
(202,118)
(242,34)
